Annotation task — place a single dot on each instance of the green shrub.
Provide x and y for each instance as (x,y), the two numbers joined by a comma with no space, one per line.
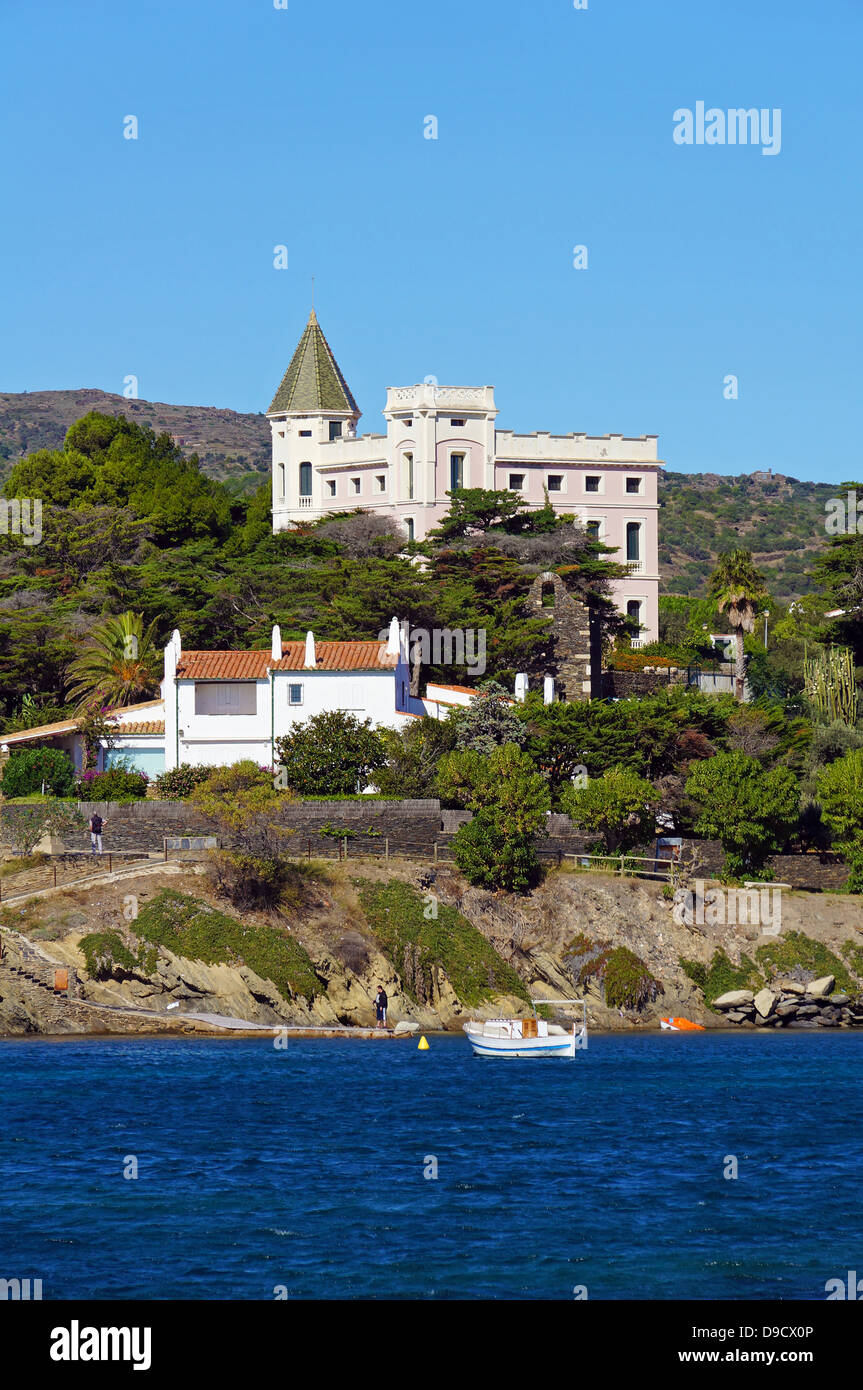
(419,945)
(189,927)
(29,768)
(178,783)
(626,981)
(117,783)
(721,975)
(105,952)
(797,949)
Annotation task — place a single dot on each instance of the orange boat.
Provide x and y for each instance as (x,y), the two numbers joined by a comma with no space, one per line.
(681,1025)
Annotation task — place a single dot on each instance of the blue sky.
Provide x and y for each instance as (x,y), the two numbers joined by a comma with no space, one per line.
(451,257)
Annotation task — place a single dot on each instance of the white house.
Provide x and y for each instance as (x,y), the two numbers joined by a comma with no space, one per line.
(439,438)
(138,736)
(222,706)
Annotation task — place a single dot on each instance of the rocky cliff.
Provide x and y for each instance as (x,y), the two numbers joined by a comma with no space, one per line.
(151,953)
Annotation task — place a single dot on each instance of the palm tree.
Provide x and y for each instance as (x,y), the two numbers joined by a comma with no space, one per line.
(738,588)
(119,666)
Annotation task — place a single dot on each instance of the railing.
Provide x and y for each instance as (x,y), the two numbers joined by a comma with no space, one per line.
(440,851)
(304,503)
(71,867)
(66,869)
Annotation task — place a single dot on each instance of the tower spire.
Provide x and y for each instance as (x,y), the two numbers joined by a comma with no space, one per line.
(313,382)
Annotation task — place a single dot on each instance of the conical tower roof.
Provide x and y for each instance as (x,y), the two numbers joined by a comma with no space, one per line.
(313,381)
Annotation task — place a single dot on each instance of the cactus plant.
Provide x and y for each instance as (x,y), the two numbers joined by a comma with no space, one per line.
(830,684)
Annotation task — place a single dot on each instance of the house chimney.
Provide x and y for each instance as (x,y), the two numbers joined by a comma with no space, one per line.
(394,638)
(170,660)
(176,643)
(548,690)
(276,643)
(310,650)
(521,687)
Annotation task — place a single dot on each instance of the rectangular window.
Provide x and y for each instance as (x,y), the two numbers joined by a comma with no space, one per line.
(305,480)
(633,542)
(516,482)
(381,482)
(633,485)
(305,434)
(456,471)
(409,527)
(350,696)
(555,482)
(592,482)
(457,424)
(335,429)
(593,529)
(225,697)
(356,485)
(331,487)
(295,694)
(408,476)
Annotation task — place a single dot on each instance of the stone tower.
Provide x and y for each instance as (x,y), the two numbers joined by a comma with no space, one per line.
(573,656)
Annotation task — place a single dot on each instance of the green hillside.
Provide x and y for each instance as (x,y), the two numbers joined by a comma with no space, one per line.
(779,519)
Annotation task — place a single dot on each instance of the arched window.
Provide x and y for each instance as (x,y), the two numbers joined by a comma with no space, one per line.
(633,542)
(305,480)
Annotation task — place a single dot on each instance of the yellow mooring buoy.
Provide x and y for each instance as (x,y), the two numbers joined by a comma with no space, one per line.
(422,1045)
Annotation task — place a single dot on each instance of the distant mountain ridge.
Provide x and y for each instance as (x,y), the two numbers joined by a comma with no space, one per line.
(778,518)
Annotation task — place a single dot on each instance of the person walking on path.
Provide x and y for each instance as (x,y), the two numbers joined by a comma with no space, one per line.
(97,825)
(381,1002)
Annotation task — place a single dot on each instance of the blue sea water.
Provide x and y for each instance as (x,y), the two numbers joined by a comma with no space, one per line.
(305,1168)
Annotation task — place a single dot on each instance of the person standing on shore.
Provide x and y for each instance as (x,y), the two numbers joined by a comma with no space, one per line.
(381,1002)
(97,825)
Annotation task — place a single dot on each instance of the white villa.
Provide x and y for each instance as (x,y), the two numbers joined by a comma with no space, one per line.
(439,438)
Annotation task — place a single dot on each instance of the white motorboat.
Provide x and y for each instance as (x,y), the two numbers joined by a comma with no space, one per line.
(528,1037)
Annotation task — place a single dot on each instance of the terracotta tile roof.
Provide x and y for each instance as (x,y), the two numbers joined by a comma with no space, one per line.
(225,666)
(329,656)
(69,726)
(66,726)
(338,656)
(143,726)
(463,689)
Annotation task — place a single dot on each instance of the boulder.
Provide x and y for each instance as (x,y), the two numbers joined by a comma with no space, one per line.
(733,999)
(735,1016)
(786,1010)
(789,986)
(819,988)
(840,1000)
(765,1002)
(406,1025)
(807,1010)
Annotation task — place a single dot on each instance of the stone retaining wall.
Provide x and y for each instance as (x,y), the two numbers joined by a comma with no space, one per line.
(415,825)
(821,872)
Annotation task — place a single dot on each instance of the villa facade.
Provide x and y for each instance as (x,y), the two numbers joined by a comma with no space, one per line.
(439,438)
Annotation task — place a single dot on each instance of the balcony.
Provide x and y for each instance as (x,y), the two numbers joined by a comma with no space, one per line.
(635,566)
(305,503)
